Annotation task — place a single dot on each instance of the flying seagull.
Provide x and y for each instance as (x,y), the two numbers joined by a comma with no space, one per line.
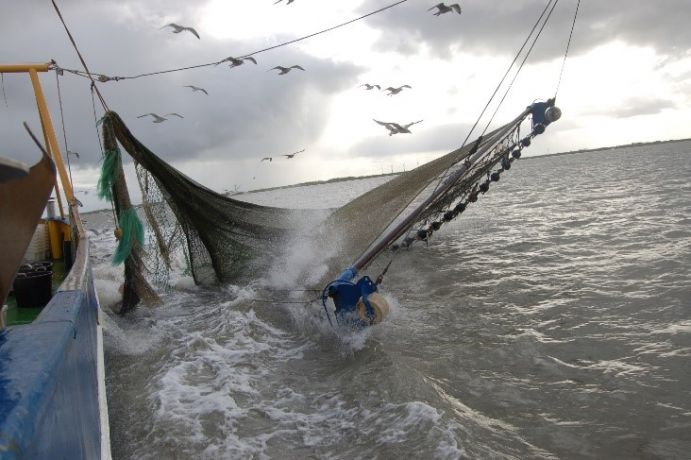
(175,115)
(369,87)
(285,70)
(264,159)
(291,155)
(70,152)
(393,91)
(289,2)
(197,88)
(395,128)
(234,62)
(157,118)
(442,8)
(178,28)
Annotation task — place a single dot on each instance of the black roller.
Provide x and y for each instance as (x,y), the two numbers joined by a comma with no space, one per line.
(460,207)
(484,187)
(436,226)
(422,234)
(525,142)
(494,177)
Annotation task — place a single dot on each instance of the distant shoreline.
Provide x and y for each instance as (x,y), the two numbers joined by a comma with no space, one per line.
(570,152)
(341,179)
(614,147)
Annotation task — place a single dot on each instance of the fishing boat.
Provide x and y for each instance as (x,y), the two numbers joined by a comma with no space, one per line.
(52,378)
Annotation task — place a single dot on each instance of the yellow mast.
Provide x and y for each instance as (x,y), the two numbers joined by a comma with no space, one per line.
(51,139)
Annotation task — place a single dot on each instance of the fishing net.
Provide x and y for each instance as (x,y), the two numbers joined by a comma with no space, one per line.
(230,240)
(226,239)
(367,217)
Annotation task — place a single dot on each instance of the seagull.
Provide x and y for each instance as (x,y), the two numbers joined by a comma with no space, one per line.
(264,159)
(285,70)
(197,88)
(157,118)
(175,115)
(289,2)
(442,8)
(234,62)
(178,28)
(395,128)
(70,152)
(393,91)
(369,87)
(291,155)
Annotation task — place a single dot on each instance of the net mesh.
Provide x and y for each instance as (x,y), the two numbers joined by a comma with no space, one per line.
(226,239)
(230,240)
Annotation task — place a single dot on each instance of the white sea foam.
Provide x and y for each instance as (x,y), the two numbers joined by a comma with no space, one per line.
(544,301)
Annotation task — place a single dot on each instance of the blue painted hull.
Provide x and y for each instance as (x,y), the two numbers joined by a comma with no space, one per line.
(51,378)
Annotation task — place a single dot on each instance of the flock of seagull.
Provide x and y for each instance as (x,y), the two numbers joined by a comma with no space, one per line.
(393,128)
(287,155)
(441,7)
(391,90)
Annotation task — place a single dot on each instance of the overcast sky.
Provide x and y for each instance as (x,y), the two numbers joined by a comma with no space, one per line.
(627,79)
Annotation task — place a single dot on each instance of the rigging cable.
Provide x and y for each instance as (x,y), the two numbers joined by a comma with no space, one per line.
(2,80)
(509,69)
(100,144)
(105,78)
(551,5)
(525,42)
(510,86)
(568,44)
(74,44)
(62,122)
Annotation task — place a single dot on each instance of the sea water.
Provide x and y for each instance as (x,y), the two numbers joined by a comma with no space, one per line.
(551,320)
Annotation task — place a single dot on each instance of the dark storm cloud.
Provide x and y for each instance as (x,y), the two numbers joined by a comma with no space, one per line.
(500,26)
(249,111)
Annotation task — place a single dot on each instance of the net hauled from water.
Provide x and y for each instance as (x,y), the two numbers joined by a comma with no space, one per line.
(226,239)
(229,240)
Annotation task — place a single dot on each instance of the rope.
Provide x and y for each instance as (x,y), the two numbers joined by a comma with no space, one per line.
(62,122)
(104,78)
(508,70)
(301,302)
(100,146)
(522,64)
(4,96)
(443,176)
(568,45)
(74,44)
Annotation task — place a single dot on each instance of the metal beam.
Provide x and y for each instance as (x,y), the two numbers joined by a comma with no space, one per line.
(24,68)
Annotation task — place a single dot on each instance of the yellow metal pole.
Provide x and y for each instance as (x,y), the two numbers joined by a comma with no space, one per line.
(23,68)
(52,139)
(46,141)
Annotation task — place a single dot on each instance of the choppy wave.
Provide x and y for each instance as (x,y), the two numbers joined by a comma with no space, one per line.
(550,321)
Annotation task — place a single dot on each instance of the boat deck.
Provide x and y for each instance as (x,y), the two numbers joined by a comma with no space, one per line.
(25,315)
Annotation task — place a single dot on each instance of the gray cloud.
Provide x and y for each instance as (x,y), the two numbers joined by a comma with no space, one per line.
(642,106)
(499,27)
(250,110)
